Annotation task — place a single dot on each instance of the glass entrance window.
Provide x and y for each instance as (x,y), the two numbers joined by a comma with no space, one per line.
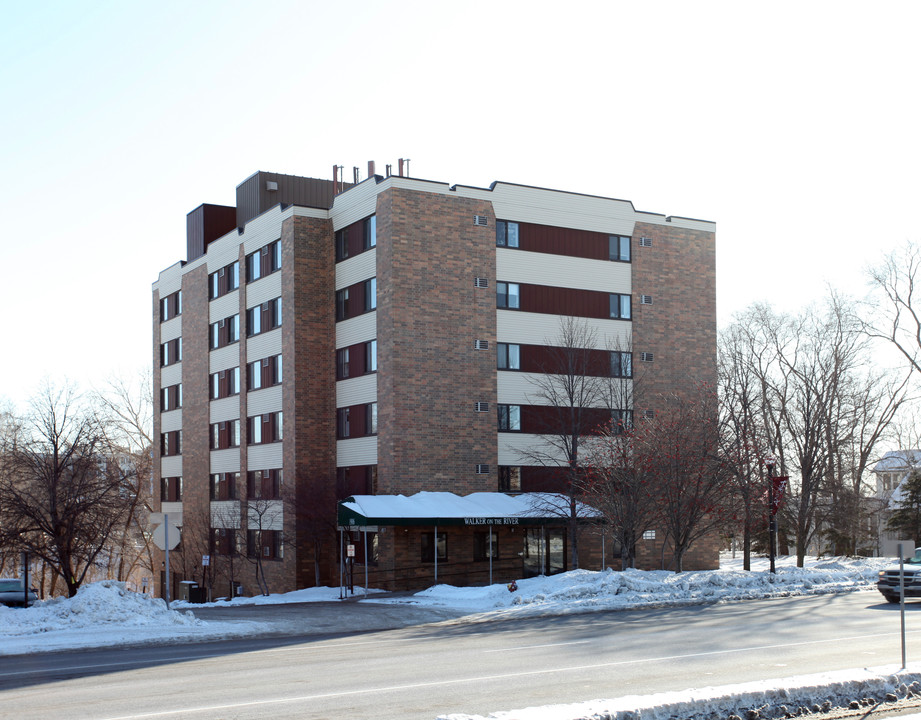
(544,551)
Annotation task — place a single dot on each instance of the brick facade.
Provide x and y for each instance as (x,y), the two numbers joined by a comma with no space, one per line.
(429,314)
(436,272)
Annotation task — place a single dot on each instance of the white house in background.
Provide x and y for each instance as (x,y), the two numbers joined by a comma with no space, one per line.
(891,472)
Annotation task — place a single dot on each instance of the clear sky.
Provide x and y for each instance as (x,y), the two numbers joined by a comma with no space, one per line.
(793,125)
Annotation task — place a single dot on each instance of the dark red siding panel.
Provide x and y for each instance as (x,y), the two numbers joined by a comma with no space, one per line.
(354,480)
(563,241)
(543,479)
(355,238)
(564,301)
(548,359)
(543,419)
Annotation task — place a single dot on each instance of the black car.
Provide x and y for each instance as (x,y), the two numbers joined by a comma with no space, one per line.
(11,593)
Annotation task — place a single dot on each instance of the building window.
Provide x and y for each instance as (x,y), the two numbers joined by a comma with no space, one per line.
(619,248)
(171,443)
(223,542)
(356,238)
(342,304)
(509,478)
(342,363)
(224,280)
(225,383)
(507,295)
(649,535)
(171,306)
(343,426)
(620,306)
(225,434)
(265,428)
(267,543)
(171,398)
(428,547)
(509,356)
(356,299)
(361,480)
(621,421)
(264,484)
(509,417)
(485,545)
(171,352)
(264,373)
(264,317)
(171,489)
(506,234)
(224,486)
(225,332)
(370,232)
(371,356)
(264,261)
(342,244)
(621,364)
(371,419)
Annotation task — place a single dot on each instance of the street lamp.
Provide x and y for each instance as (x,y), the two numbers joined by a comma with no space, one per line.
(769,463)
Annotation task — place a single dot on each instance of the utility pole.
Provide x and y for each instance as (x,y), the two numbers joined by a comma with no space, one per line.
(770,462)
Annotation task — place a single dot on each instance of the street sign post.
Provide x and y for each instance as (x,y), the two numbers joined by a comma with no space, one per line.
(165,536)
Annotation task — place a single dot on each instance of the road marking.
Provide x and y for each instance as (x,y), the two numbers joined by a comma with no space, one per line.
(531,647)
(480,679)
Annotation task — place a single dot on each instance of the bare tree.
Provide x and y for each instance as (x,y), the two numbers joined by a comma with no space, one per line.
(61,485)
(265,535)
(680,446)
(742,436)
(128,409)
(821,409)
(894,313)
(571,394)
(622,486)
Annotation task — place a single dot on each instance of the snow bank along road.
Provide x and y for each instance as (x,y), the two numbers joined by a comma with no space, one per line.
(106,614)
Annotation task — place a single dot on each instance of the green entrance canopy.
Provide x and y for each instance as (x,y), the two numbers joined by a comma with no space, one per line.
(444,508)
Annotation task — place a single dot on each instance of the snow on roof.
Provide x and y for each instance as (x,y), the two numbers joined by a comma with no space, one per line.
(445,508)
(896,460)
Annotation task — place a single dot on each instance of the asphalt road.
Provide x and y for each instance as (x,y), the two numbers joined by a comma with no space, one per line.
(422,671)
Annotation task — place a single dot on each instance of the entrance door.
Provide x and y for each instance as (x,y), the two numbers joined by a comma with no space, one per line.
(544,551)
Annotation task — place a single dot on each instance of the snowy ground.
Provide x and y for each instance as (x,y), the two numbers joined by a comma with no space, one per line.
(105,614)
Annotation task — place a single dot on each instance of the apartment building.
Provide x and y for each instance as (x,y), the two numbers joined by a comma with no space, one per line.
(324,341)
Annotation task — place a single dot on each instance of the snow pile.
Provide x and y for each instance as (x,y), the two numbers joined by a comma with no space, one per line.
(763,700)
(315,594)
(96,605)
(101,614)
(585,591)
